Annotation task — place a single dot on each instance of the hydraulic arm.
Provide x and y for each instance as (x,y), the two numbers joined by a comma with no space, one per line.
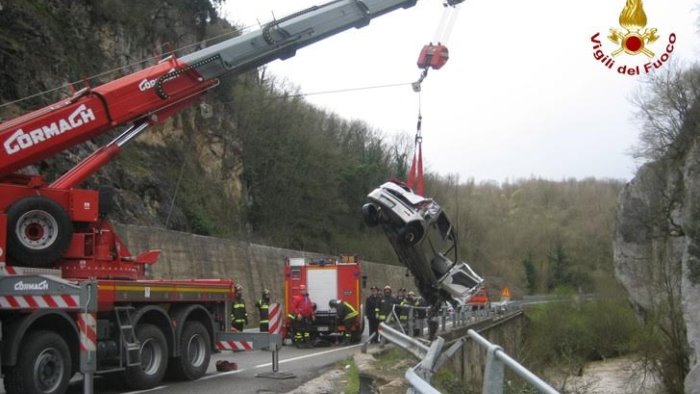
(155,93)
(56,224)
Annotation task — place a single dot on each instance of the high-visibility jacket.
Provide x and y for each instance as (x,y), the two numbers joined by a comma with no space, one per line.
(344,310)
(239,313)
(371,306)
(404,309)
(263,309)
(384,306)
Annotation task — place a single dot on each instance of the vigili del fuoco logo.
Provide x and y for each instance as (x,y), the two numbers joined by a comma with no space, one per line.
(634,39)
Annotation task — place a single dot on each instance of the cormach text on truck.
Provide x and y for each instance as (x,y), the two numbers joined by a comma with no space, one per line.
(73,297)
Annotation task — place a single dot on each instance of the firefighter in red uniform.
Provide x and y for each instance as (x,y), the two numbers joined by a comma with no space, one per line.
(303,310)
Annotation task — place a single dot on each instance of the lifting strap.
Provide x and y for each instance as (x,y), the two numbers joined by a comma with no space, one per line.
(415,173)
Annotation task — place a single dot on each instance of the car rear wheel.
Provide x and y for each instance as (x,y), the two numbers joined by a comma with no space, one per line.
(370,214)
(411,233)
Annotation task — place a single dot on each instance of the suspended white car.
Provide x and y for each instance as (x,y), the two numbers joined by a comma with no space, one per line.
(424,240)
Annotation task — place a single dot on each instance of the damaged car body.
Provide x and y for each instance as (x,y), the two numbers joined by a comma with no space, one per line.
(425,242)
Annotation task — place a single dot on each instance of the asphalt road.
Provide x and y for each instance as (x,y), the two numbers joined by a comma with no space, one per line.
(303,364)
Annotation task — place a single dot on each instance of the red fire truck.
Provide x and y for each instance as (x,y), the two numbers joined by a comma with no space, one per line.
(479,300)
(73,298)
(325,279)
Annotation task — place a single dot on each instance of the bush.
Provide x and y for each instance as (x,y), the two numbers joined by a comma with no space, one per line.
(572,332)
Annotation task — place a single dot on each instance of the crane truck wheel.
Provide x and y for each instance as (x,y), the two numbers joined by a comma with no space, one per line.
(195,352)
(154,358)
(38,231)
(43,365)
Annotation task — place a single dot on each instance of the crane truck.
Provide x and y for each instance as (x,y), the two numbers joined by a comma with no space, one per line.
(73,297)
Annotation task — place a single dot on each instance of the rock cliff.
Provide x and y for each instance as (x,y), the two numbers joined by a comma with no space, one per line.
(657,256)
(164,176)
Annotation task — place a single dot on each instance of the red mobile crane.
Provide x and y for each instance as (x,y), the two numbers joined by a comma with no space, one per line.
(72,296)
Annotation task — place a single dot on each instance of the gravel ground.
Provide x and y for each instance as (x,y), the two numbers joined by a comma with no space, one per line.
(385,381)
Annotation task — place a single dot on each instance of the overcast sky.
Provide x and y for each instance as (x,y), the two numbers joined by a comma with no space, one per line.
(520,96)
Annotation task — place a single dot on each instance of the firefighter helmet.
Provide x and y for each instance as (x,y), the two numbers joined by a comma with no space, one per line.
(387,287)
(266,293)
(333,303)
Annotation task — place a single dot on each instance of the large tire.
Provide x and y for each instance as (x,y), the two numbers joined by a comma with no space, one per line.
(38,231)
(43,366)
(195,352)
(154,358)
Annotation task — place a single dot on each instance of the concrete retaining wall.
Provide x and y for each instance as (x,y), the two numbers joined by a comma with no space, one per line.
(253,266)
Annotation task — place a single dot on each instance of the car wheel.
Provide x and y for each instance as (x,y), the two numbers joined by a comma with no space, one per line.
(370,214)
(411,233)
(38,231)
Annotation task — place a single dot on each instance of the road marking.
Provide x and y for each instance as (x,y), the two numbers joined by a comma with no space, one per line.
(307,356)
(146,391)
(219,374)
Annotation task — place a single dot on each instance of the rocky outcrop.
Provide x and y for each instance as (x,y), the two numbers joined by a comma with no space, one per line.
(53,48)
(657,253)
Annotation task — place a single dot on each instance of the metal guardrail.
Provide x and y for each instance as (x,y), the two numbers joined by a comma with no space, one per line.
(432,357)
(496,359)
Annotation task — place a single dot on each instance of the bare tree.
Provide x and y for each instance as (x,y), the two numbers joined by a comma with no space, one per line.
(665,104)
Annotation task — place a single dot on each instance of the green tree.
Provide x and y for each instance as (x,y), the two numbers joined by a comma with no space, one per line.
(530,274)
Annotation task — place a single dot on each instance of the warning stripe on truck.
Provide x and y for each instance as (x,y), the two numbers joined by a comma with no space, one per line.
(40,301)
(234,345)
(88,332)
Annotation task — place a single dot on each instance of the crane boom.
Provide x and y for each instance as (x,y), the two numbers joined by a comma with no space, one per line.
(155,93)
(58,224)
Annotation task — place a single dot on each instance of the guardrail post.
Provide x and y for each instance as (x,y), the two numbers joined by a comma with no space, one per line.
(494,372)
(87,324)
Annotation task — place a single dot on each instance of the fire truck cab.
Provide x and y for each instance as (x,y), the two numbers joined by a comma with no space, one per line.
(479,300)
(325,279)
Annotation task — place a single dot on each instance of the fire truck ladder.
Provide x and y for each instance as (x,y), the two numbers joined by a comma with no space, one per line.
(129,343)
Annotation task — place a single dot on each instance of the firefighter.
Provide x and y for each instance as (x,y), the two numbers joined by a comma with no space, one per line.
(418,313)
(404,309)
(303,310)
(385,304)
(239,315)
(401,296)
(349,316)
(371,304)
(263,306)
